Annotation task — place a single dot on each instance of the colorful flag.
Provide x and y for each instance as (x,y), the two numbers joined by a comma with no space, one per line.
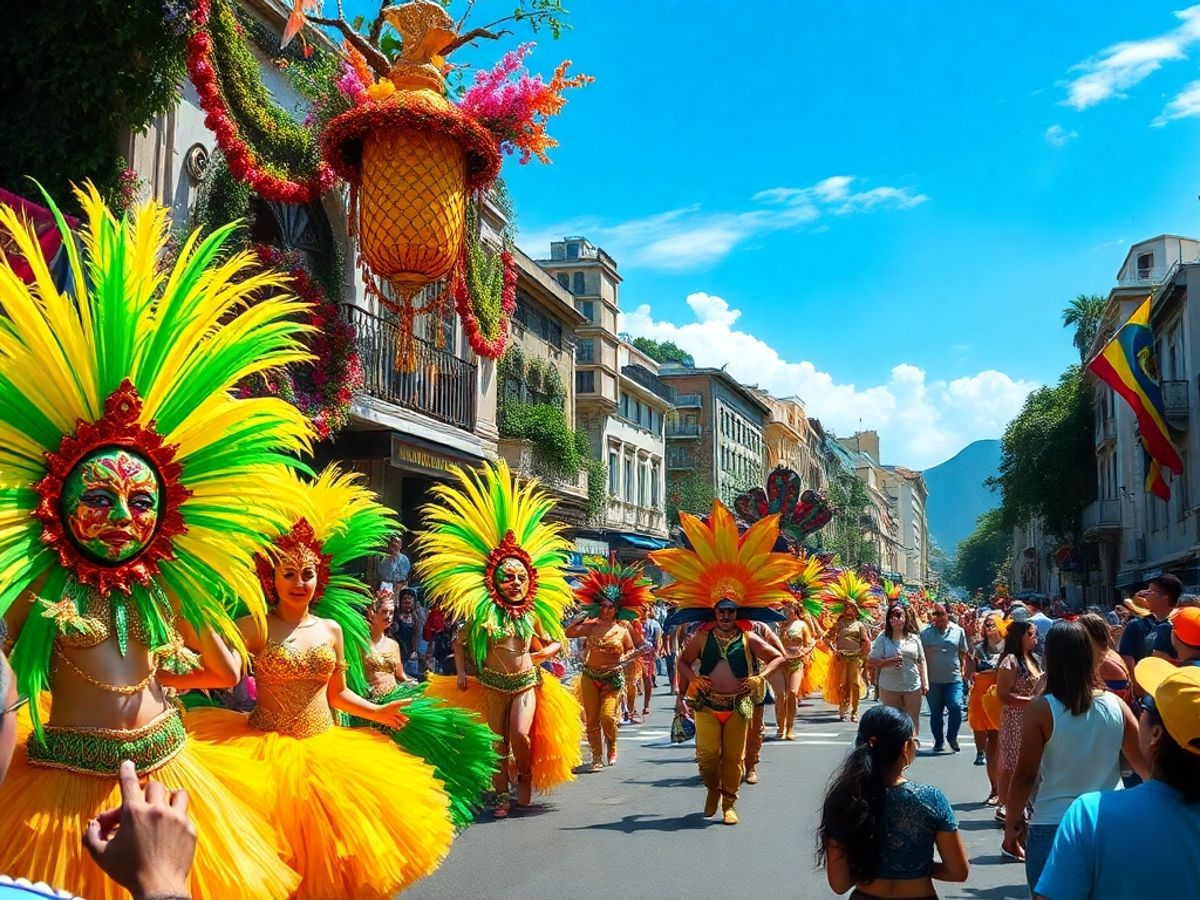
(1126,364)
(1155,482)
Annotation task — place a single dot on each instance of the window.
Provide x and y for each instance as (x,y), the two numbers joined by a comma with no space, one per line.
(637,411)
(654,485)
(643,484)
(1145,264)
(628,479)
(577,283)
(623,406)
(584,350)
(565,280)
(573,251)
(585,382)
(587,308)
(613,474)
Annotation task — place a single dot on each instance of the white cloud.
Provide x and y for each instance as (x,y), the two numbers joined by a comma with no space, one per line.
(1125,64)
(1183,105)
(920,422)
(689,238)
(1057,136)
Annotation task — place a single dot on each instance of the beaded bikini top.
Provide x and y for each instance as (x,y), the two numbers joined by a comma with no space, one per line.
(379,662)
(291,687)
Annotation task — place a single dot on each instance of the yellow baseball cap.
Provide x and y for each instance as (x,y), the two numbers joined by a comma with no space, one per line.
(1176,693)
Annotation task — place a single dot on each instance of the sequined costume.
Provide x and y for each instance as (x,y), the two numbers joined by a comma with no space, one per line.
(718,567)
(599,688)
(383,822)
(489,560)
(843,683)
(135,490)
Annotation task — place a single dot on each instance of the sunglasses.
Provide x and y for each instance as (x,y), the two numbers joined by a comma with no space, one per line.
(21,701)
(1147,704)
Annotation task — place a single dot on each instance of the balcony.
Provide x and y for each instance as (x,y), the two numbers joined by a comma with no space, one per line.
(1106,432)
(622,516)
(1102,517)
(440,385)
(647,379)
(1175,402)
(683,430)
(519,455)
(688,401)
(1145,275)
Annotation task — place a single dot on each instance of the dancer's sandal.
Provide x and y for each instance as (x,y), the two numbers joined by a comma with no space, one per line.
(503,805)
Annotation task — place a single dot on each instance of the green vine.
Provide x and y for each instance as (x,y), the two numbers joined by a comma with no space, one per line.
(282,145)
(95,70)
(485,278)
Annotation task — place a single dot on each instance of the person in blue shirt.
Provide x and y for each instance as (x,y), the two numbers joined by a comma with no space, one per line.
(878,830)
(1140,842)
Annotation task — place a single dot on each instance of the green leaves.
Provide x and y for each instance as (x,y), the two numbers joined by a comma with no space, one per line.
(982,554)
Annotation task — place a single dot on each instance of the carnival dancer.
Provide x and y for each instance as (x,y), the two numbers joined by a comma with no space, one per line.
(489,560)
(361,818)
(457,743)
(850,642)
(134,493)
(798,644)
(724,581)
(609,594)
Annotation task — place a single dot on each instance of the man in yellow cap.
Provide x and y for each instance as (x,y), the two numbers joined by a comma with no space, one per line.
(1157,823)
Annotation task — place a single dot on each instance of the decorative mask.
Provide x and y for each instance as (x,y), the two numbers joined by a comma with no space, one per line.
(110,504)
(512,581)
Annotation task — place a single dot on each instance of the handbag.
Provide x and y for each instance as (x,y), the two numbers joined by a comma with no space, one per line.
(682,729)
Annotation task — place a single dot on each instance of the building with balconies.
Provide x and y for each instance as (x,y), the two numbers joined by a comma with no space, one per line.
(715,443)
(789,438)
(909,496)
(1137,534)
(882,521)
(538,370)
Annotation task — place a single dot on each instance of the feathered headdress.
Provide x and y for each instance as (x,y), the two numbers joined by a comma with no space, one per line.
(893,592)
(334,520)
(808,585)
(621,585)
(123,387)
(848,586)
(481,528)
(722,564)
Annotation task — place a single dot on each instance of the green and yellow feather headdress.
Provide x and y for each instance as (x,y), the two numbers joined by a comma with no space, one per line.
(137,364)
(483,522)
(849,587)
(808,586)
(333,520)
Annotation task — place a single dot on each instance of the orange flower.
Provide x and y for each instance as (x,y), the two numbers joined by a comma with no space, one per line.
(381,90)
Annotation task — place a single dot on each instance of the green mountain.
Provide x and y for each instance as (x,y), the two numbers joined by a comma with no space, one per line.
(957,496)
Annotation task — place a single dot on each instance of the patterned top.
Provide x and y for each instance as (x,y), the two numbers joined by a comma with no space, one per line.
(381,662)
(291,689)
(912,814)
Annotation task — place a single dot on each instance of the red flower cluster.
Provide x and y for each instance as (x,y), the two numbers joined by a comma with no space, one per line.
(322,390)
(488,347)
(239,155)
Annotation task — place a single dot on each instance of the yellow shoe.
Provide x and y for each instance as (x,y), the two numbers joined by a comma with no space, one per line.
(731,817)
(710,805)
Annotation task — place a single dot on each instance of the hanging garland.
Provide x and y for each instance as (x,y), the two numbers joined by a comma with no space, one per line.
(264,146)
(485,297)
(321,390)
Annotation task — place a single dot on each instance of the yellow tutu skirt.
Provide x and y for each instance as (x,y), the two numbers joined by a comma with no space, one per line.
(978,716)
(359,817)
(45,811)
(557,723)
(835,680)
(816,669)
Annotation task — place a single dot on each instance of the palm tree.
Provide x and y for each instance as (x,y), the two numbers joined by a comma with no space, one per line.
(1084,312)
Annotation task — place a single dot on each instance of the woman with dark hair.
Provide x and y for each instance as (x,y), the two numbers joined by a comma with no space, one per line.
(1073,712)
(1109,665)
(1140,842)
(878,830)
(1016,679)
(981,667)
(899,657)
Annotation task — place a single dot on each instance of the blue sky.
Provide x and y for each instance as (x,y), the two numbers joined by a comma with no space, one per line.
(880,207)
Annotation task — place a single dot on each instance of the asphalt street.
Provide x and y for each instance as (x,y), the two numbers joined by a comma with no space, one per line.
(637,829)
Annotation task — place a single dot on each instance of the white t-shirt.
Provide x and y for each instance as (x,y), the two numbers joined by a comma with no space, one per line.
(908,677)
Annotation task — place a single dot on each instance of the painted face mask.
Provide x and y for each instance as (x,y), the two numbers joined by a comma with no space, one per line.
(111,504)
(512,580)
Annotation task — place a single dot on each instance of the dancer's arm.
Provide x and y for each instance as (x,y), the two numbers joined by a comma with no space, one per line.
(766,653)
(545,648)
(342,698)
(220,667)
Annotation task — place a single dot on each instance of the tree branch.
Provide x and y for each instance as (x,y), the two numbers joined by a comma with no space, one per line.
(375,59)
(473,35)
(458,26)
(377,25)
